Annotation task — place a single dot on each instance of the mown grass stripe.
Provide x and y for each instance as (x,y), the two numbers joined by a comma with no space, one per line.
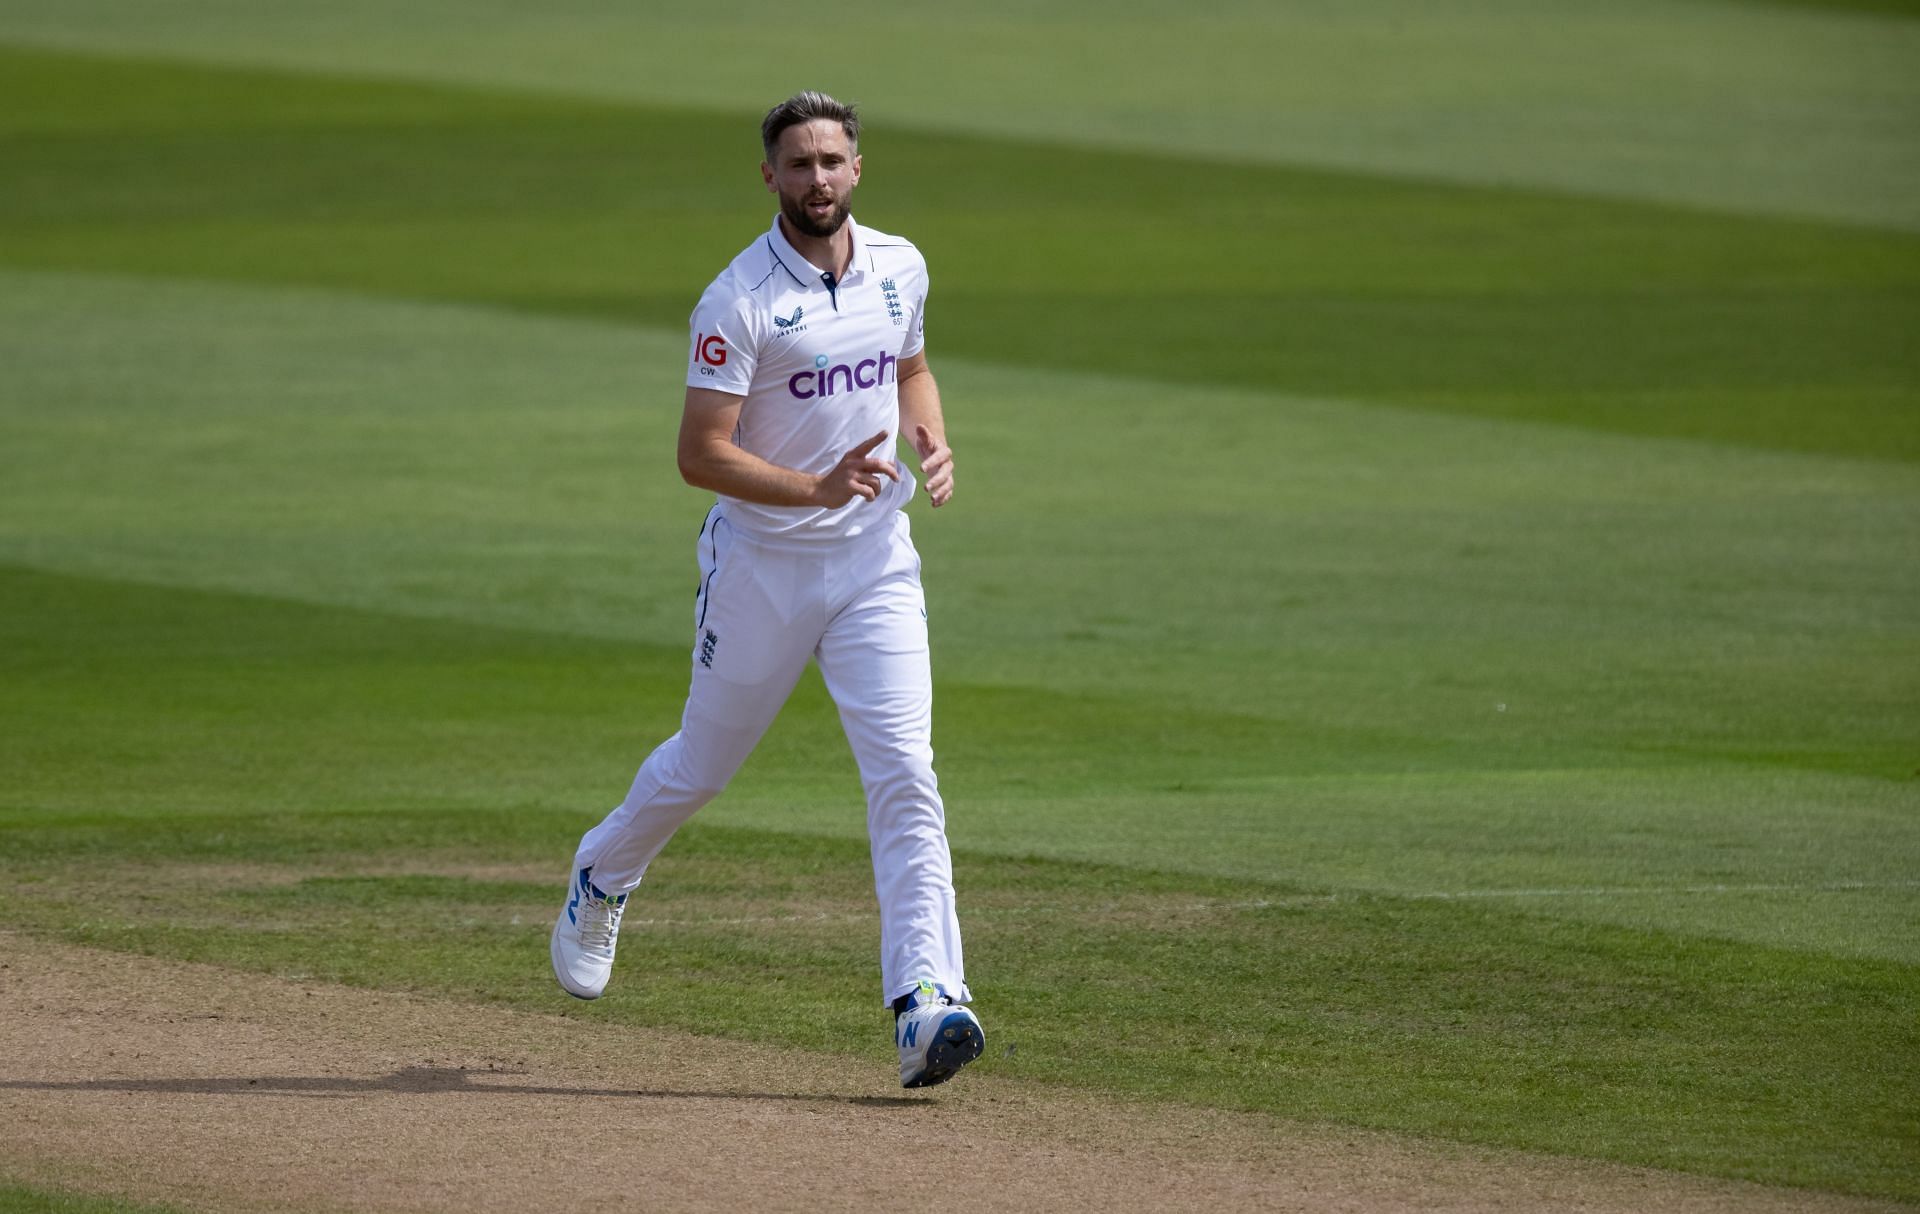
(1500,302)
(1098,911)
(1736,107)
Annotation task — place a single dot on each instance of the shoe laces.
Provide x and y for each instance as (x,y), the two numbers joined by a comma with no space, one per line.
(599,922)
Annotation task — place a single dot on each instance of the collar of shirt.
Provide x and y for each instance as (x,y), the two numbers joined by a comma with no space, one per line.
(804,271)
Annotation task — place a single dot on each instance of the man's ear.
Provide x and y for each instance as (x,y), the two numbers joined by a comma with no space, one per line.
(766,175)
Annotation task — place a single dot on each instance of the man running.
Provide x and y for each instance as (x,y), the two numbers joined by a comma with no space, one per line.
(807,364)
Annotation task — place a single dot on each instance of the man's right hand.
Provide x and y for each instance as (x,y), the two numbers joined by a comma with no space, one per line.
(856,475)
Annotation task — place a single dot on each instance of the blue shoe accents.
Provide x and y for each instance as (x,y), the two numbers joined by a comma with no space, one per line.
(956,1040)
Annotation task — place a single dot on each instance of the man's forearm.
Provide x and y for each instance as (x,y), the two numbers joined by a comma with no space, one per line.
(925,426)
(725,469)
(713,462)
(920,405)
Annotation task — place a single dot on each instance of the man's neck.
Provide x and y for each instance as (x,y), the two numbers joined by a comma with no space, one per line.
(833,252)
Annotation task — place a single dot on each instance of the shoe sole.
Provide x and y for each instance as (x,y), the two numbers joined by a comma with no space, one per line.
(959,1041)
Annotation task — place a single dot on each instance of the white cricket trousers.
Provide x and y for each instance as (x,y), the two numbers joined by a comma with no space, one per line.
(761,612)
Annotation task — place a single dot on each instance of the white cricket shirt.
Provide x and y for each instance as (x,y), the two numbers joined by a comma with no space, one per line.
(818,361)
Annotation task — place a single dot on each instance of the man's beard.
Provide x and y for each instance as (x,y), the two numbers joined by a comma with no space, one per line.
(795,211)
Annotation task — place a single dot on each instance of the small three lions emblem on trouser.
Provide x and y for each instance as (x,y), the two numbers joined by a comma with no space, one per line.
(708,644)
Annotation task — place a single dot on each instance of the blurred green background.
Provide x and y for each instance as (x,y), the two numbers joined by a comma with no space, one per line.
(1427,637)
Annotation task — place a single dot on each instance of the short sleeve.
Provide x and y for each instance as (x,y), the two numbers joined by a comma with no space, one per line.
(917,332)
(723,352)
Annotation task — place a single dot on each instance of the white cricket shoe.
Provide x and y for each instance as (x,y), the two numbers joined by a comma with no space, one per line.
(583,938)
(936,1038)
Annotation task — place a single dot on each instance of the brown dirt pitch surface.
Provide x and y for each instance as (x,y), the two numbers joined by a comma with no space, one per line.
(214,1090)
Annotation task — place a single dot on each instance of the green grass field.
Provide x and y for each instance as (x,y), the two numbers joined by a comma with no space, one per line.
(1429,636)
(20,1199)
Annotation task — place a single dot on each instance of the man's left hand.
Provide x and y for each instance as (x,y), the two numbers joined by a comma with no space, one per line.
(936,465)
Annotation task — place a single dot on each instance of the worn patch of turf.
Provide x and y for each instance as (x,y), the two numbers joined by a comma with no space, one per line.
(1329,995)
(1372,1011)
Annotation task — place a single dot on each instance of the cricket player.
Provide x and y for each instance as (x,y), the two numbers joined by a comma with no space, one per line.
(806,365)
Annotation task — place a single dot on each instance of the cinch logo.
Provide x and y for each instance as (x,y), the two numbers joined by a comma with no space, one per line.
(842,377)
(711,349)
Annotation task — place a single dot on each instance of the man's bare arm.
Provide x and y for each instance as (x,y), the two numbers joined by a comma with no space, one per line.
(925,426)
(710,460)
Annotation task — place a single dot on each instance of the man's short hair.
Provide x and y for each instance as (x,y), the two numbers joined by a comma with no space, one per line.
(805,107)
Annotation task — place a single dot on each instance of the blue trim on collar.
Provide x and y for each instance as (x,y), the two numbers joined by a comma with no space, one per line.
(812,278)
(774,251)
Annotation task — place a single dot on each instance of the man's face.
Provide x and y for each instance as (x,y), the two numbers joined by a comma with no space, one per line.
(814,171)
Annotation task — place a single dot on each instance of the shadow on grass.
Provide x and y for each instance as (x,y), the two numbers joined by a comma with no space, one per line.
(417,1080)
